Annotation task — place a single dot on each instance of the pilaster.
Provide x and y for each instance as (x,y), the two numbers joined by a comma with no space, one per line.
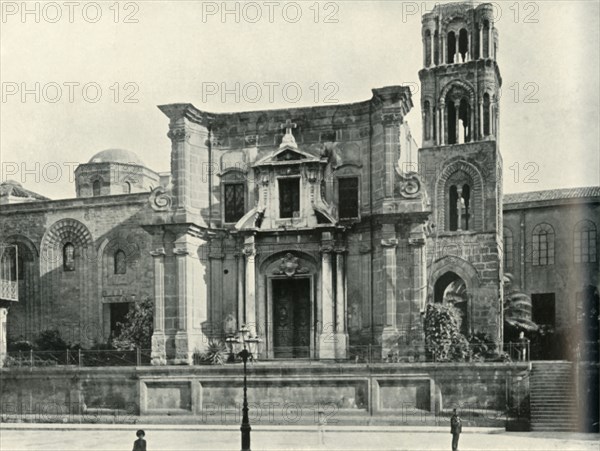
(327,328)
(159,352)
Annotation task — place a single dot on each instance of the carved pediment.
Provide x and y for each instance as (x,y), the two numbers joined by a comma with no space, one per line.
(288,156)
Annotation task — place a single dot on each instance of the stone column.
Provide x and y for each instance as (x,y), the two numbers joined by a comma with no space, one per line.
(389,242)
(424,51)
(459,208)
(240,288)
(3,316)
(490,40)
(416,242)
(442,123)
(159,351)
(183,354)
(457,120)
(327,329)
(480,49)
(481,118)
(341,336)
(250,304)
(432,50)
(443,50)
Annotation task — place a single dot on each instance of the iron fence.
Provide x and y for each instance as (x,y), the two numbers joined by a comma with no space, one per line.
(357,354)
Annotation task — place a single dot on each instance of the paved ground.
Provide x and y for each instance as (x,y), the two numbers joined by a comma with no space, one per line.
(24,437)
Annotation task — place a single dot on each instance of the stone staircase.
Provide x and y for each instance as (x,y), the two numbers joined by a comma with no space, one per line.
(553,399)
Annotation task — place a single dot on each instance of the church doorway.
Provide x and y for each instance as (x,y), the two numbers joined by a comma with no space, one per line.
(451,289)
(291,317)
(118,316)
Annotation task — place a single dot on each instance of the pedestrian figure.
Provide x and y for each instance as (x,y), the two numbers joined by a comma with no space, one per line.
(455,429)
(523,345)
(140,443)
(321,422)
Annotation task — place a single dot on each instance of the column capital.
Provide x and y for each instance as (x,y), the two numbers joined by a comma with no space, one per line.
(180,251)
(159,252)
(178,134)
(389,242)
(416,241)
(249,250)
(327,247)
(340,250)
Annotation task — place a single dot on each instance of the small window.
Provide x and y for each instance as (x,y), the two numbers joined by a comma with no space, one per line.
(68,257)
(584,242)
(289,198)
(96,188)
(543,245)
(234,202)
(348,197)
(120,262)
(127,188)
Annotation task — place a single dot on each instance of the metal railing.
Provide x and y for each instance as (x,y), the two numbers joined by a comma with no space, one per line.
(360,354)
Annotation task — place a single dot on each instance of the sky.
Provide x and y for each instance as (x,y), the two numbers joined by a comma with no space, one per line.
(79,79)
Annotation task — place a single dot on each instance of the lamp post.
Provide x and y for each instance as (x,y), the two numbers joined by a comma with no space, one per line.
(245,354)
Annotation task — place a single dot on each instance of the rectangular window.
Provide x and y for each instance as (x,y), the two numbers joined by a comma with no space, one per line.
(543,249)
(234,202)
(289,198)
(543,309)
(348,197)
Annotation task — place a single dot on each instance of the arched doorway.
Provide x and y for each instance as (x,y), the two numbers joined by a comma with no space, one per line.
(450,288)
(290,300)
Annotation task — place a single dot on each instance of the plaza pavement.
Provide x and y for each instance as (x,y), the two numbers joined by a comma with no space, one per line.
(55,437)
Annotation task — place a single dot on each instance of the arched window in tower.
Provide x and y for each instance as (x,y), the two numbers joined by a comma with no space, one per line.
(68,257)
(451,47)
(427,120)
(120,262)
(486,39)
(459,208)
(436,48)
(127,188)
(463,45)
(427,48)
(543,245)
(584,242)
(96,188)
(486,115)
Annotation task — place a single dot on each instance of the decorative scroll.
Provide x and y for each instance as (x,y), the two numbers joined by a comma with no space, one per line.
(160,200)
(409,185)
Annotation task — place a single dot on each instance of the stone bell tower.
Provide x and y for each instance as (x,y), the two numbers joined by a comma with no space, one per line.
(461,162)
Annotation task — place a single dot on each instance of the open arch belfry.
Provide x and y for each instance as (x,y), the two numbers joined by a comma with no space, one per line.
(461,160)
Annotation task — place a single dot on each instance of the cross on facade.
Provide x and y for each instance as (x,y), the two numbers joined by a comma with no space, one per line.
(288,126)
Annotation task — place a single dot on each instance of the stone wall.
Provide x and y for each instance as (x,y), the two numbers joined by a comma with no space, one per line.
(408,393)
(77,302)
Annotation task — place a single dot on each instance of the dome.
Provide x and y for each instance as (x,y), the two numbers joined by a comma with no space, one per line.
(117,156)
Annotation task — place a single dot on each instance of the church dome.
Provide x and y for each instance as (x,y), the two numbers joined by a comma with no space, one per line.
(122,156)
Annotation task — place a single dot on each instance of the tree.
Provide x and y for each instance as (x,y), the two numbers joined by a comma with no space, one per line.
(136,331)
(443,340)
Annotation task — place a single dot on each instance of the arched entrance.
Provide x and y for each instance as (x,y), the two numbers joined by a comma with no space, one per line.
(289,305)
(450,288)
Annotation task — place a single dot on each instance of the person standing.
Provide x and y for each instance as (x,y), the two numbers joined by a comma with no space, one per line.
(140,443)
(523,347)
(455,429)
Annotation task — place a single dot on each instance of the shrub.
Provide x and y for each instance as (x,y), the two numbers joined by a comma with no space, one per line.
(136,331)
(443,340)
(215,353)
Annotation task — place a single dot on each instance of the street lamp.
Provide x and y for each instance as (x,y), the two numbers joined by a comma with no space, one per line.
(244,354)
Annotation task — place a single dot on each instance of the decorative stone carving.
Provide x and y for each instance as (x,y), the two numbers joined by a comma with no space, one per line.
(409,185)
(178,134)
(391,118)
(160,200)
(290,266)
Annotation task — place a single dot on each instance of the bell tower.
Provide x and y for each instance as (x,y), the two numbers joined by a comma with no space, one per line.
(461,162)
(460,81)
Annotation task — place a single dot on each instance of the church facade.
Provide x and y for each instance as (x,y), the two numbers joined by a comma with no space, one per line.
(308,225)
